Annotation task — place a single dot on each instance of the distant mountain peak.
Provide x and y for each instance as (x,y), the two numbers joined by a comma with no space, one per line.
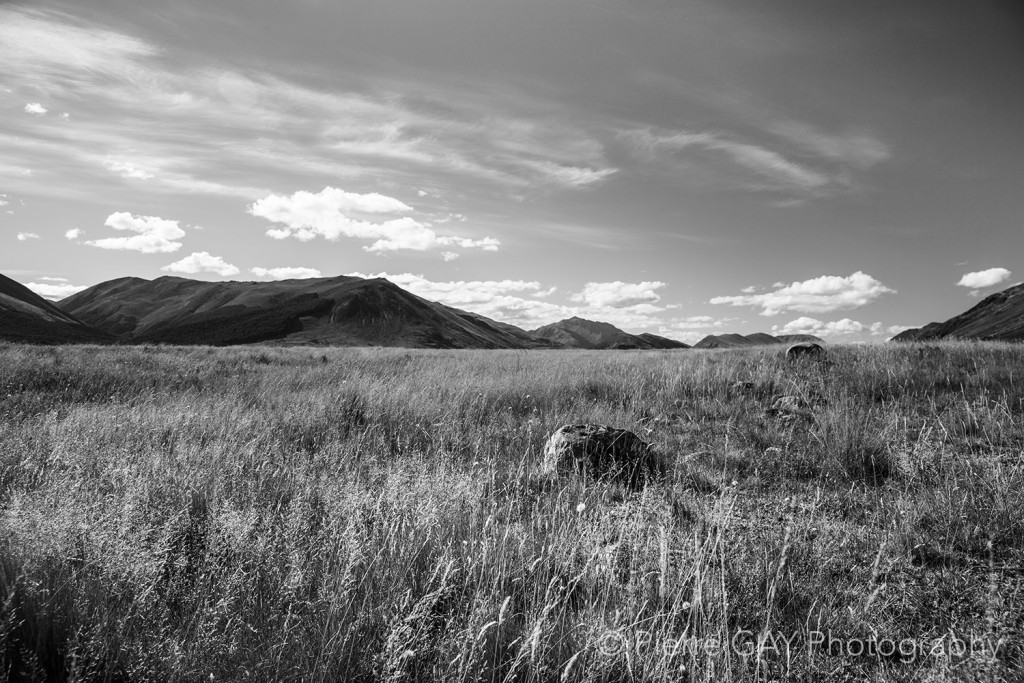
(579,333)
(732,341)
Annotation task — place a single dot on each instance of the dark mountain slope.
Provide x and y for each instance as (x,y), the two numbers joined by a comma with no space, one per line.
(577,333)
(999,316)
(27,317)
(659,342)
(343,311)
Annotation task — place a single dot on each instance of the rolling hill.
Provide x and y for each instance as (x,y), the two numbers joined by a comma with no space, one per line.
(999,316)
(27,317)
(341,311)
(577,333)
(735,341)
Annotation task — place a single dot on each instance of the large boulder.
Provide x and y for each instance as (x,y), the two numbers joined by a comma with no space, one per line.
(805,349)
(601,452)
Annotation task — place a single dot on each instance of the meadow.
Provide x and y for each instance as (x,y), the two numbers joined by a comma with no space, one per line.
(308,514)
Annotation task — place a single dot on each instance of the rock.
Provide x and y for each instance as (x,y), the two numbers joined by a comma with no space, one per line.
(601,452)
(790,405)
(805,350)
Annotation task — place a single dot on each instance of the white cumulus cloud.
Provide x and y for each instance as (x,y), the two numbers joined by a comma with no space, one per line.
(127,169)
(154,235)
(526,303)
(23,236)
(806,325)
(201,262)
(73,233)
(52,290)
(285,273)
(984,278)
(333,213)
(35,108)
(818,295)
(618,294)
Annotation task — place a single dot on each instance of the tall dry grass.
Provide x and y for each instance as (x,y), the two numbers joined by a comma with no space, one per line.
(364,514)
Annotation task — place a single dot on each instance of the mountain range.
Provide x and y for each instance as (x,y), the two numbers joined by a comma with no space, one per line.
(999,316)
(337,311)
(352,311)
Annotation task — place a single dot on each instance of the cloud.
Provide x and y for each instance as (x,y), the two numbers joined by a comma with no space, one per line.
(155,235)
(22,236)
(449,255)
(846,326)
(54,291)
(766,163)
(856,149)
(984,278)
(333,213)
(567,175)
(510,301)
(285,273)
(896,329)
(618,294)
(127,169)
(35,108)
(73,233)
(771,164)
(45,44)
(526,303)
(818,295)
(201,262)
(172,111)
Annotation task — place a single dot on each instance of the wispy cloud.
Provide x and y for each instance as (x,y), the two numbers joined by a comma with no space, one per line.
(225,131)
(35,108)
(24,236)
(772,170)
(817,295)
(41,46)
(856,149)
(806,161)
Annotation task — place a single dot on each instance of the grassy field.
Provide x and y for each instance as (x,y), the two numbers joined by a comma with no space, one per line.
(198,514)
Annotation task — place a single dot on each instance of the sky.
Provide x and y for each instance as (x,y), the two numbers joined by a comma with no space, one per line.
(681,167)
